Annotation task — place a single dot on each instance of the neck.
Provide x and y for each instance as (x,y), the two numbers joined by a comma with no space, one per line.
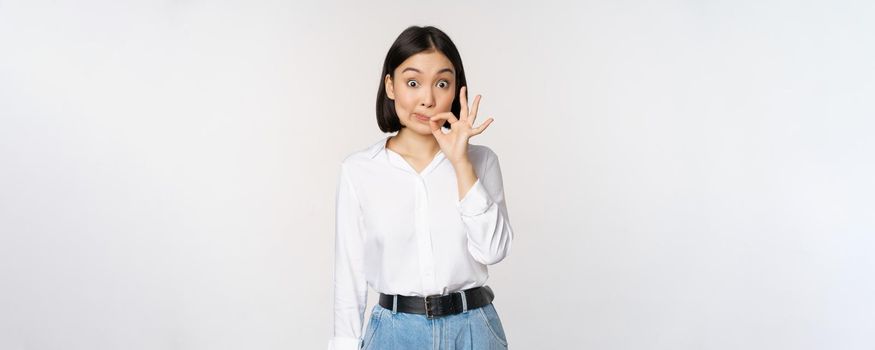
(413,144)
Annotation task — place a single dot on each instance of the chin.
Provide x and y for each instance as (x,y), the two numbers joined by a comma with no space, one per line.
(421,128)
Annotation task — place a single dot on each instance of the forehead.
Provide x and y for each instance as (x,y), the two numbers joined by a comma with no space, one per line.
(428,62)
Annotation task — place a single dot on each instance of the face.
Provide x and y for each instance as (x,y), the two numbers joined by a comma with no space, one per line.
(424,85)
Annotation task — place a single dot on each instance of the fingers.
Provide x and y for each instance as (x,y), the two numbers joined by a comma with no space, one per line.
(483,126)
(463,115)
(436,130)
(473,114)
(435,126)
(443,116)
(436,122)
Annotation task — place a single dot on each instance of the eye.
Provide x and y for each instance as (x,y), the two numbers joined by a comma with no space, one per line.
(446,84)
(412,81)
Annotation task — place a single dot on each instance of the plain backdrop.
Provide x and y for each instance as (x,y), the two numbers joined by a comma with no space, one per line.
(678,174)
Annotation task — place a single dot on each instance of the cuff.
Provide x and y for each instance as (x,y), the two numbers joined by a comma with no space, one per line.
(344,343)
(476,201)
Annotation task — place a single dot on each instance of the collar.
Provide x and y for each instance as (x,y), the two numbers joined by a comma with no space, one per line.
(396,160)
(378,147)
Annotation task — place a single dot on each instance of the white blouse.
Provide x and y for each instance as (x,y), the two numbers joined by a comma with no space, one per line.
(407,233)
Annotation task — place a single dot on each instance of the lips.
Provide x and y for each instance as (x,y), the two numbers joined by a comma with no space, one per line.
(420,117)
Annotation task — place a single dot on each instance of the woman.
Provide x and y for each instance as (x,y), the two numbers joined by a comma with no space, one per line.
(420,214)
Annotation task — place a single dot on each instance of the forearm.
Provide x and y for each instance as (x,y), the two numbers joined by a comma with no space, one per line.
(484,212)
(465,176)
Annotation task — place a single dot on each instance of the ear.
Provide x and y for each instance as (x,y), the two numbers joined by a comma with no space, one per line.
(390,89)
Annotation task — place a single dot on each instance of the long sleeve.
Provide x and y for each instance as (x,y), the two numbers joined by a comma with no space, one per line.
(350,285)
(484,214)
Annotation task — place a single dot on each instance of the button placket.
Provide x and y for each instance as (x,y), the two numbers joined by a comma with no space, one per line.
(423,234)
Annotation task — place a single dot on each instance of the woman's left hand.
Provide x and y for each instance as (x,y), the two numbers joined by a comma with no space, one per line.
(455,143)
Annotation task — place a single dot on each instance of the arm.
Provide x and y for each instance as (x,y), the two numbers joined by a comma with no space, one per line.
(350,286)
(484,212)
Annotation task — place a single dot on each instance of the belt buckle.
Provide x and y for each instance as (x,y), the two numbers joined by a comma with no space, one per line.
(428,314)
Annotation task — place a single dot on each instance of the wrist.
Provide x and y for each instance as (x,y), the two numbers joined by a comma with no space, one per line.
(462,164)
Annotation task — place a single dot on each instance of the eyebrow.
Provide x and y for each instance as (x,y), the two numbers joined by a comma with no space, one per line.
(448,70)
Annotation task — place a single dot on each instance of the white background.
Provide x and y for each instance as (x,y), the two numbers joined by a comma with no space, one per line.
(679,174)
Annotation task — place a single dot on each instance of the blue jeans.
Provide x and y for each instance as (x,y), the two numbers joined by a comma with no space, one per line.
(476,329)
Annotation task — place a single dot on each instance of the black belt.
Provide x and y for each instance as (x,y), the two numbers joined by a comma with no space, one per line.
(440,305)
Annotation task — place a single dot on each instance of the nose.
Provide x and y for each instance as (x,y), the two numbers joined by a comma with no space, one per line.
(427,98)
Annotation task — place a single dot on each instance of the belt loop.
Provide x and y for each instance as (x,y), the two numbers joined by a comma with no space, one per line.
(464,302)
(394,304)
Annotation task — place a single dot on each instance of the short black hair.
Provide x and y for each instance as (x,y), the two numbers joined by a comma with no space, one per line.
(411,41)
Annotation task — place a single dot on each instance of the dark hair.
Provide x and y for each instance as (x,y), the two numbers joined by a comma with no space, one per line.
(411,41)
